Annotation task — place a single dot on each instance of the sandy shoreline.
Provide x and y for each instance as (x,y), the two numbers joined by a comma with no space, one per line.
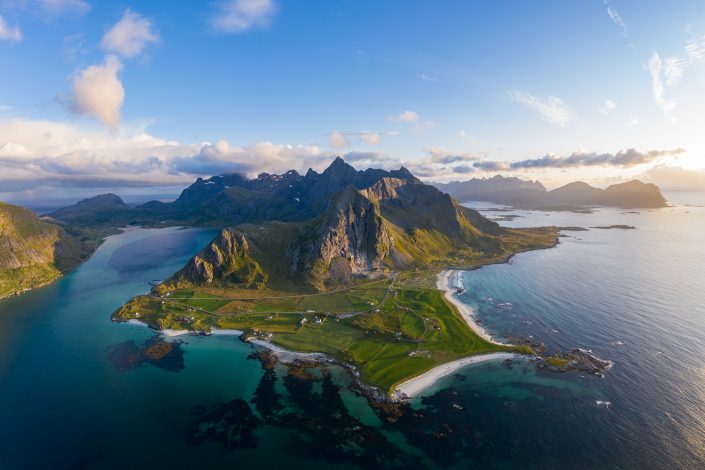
(449,282)
(413,387)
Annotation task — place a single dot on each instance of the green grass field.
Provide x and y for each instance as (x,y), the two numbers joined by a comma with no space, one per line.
(398,333)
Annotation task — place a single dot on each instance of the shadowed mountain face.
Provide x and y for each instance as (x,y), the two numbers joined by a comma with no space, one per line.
(533,195)
(319,228)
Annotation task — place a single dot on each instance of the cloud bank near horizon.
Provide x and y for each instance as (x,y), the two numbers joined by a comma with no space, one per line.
(39,153)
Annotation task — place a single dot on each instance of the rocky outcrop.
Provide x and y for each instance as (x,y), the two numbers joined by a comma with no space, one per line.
(225,261)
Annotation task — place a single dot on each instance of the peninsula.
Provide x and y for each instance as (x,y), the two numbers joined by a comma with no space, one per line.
(347,263)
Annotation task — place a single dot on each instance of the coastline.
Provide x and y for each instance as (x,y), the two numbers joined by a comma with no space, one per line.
(412,387)
(447,282)
(286,355)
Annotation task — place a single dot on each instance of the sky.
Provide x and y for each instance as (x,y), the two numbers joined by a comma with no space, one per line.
(140,98)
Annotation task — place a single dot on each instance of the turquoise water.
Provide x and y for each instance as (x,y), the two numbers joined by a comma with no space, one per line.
(635,297)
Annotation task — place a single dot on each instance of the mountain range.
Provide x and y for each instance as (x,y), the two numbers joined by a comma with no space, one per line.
(318,229)
(519,193)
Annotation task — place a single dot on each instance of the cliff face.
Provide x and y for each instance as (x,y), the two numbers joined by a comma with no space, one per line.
(350,237)
(33,252)
(225,261)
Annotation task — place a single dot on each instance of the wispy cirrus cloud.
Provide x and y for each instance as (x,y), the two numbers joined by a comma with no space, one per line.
(58,7)
(342,139)
(239,16)
(668,71)
(617,20)
(624,158)
(551,109)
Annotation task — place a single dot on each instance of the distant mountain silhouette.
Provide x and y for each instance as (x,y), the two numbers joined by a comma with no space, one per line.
(533,195)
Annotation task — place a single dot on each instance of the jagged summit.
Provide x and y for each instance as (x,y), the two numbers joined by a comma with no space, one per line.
(320,228)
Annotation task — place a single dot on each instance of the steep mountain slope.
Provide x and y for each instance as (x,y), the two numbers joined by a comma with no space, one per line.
(34,252)
(226,261)
(533,195)
(368,223)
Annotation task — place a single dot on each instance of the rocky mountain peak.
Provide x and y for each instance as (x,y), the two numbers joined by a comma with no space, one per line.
(225,261)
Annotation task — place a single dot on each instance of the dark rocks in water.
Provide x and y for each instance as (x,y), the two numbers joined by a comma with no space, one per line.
(268,360)
(443,429)
(166,355)
(125,356)
(266,399)
(319,423)
(232,423)
(155,351)
(573,229)
(579,360)
(459,377)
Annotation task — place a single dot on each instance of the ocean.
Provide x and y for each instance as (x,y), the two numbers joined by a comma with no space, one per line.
(633,296)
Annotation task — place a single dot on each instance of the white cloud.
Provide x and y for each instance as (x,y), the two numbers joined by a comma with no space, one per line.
(608,106)
(238,16)
(406,116)
(552,109)
(338,140)
(129,36)
(371,138)
(428,78)
(5,108)
(9,33)
(462,134)
(97,91)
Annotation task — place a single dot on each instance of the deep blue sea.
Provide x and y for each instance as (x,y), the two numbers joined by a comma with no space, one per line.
(635,297)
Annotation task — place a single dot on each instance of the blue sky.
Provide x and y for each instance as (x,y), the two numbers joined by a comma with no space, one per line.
(141,94)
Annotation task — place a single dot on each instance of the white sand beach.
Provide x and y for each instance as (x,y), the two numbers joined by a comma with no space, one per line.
(449,281)
(412,387)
